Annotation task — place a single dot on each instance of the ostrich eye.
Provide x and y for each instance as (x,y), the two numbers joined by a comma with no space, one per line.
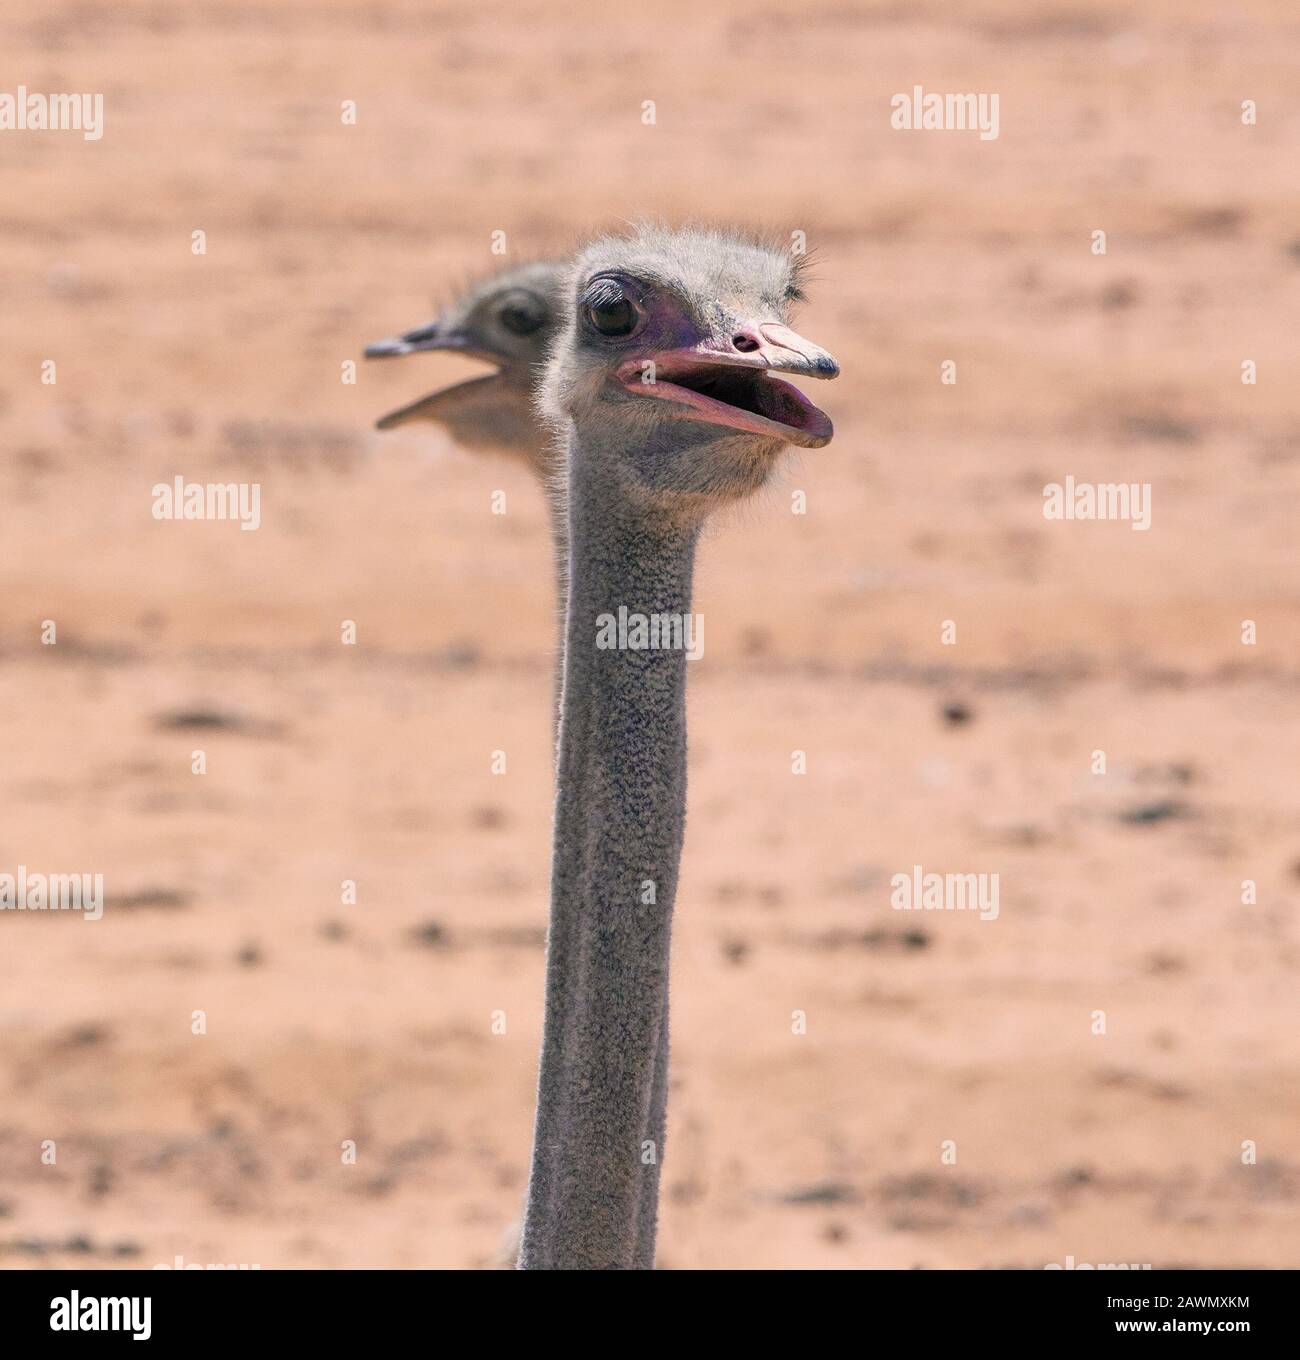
(521,315)
(609,310)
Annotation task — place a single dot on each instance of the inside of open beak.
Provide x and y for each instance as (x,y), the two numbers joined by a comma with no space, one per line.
(738,391)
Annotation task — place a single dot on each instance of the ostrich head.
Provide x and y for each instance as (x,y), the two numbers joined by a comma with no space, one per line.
(666,365)
(506,320)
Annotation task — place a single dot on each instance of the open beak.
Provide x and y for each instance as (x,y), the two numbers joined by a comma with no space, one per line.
(733,384)
(437,335)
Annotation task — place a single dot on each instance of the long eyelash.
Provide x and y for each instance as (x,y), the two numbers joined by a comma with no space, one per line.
(603,293)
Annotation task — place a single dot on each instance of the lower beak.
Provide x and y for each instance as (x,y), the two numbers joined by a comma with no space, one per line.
(447,403)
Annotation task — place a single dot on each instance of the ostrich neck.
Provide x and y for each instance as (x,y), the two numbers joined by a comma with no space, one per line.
(620,805)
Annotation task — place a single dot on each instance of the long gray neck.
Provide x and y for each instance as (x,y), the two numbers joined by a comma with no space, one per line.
(620,809)
(559,602)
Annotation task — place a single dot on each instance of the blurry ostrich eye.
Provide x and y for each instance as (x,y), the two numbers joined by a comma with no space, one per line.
(609,310)
(522,315)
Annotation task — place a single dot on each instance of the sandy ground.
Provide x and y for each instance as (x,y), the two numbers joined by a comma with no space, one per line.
(374,1022)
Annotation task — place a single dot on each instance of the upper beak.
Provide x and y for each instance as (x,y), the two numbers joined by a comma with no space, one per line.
(769,345)
(435,335)
(778,347)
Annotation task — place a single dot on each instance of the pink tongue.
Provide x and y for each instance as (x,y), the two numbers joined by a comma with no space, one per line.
(787,410)
(783,403)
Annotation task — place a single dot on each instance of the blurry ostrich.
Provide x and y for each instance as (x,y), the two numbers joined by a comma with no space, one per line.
(507,320)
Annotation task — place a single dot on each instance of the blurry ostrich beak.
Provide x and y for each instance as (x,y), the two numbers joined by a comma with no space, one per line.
(730,382)
(443,404)
(435,335)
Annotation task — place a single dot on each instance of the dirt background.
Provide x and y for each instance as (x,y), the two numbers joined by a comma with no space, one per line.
(1119,893)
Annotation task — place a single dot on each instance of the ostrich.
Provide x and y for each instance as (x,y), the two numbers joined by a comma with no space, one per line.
(660,386)
(506,319)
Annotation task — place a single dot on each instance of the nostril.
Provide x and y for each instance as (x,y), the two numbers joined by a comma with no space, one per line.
(746,344)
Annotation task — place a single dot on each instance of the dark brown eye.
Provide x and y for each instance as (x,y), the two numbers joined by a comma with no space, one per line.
(522,314)
(609,310)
